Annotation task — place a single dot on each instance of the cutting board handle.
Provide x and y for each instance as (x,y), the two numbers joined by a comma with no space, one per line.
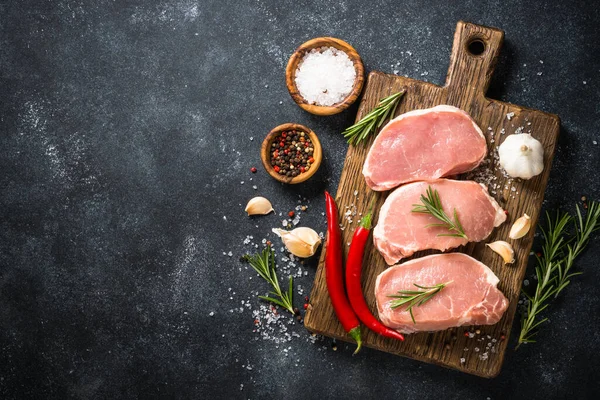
(474,55)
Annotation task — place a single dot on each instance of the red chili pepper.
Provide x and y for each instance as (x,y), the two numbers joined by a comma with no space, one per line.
(335,276)
(353,280)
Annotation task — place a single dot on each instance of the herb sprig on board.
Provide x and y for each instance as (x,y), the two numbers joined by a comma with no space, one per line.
(553,269)
(373,120)
(264,264)
(415,298)
(431,204)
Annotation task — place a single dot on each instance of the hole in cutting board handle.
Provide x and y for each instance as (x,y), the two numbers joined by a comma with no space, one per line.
(476,47)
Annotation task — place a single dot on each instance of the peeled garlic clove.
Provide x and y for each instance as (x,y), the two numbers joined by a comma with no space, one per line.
(504,249)
(520,227)
(259,206)
(301,242)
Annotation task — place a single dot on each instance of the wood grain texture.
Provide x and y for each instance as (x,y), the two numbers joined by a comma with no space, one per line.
(468,79)
(296,58)
(265,153)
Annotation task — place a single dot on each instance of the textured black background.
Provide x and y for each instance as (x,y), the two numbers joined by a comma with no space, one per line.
(124,135)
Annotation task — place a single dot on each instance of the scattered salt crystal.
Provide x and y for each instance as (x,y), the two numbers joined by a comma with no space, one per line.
(230,254)
(510,115)
(251,138)
(284,223)
(224,217)
(540,73)
(254,187)
(594,142)
(584,82)
(356,192)
(541,62)
(211,313)
(462,360)
(242,182)
(325,76)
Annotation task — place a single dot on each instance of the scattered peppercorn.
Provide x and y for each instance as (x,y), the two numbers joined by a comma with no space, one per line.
(291,214)
(253,170)
(291,153)
(305,306)
(466,334)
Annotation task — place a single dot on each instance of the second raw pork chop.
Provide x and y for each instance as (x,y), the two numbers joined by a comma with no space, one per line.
(400,232)
(469,298)
(424,144)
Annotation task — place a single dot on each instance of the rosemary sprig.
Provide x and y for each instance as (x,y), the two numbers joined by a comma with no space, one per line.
(373,120)
(553,267)
(583,231)
(264,264)
(415,298)
(432,205)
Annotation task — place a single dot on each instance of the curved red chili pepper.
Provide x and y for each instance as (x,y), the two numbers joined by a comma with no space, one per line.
(335,276)
(353,281)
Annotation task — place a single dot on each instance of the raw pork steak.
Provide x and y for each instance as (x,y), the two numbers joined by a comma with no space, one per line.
(471,297)
(422,145)
(400,232)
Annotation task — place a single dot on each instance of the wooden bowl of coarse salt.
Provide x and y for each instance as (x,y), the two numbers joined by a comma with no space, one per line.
(325,76)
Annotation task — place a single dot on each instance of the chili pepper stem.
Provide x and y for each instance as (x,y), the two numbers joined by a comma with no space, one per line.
(366,221)
(355,334)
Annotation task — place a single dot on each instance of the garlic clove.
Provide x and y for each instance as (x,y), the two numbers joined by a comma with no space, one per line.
(504,249)
(520,227)
(259,206)
(301,242)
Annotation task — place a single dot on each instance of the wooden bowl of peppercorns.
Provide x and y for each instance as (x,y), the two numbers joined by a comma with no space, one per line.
(291,153)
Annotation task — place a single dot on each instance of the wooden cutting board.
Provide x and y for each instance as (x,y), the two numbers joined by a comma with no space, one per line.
(466,84)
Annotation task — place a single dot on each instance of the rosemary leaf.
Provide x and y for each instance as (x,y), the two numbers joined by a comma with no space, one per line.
(415,298)
(553,267)
(264,264)
(431,204)
(373,120)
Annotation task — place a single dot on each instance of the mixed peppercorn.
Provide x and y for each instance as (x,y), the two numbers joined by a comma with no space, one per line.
(292,153)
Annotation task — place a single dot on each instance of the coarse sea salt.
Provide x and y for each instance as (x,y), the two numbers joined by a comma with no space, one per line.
(325,76)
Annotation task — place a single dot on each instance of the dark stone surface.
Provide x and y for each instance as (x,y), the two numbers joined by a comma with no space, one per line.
(125,131)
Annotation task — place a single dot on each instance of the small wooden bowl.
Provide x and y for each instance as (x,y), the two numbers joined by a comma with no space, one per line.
(265,153)
(296,58)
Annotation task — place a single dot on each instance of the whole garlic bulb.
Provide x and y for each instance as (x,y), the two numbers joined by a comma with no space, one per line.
(521,156)
(301,242)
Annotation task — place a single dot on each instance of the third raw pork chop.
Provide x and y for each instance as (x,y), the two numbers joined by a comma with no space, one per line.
(424,144)
(400,232)
(469,298)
